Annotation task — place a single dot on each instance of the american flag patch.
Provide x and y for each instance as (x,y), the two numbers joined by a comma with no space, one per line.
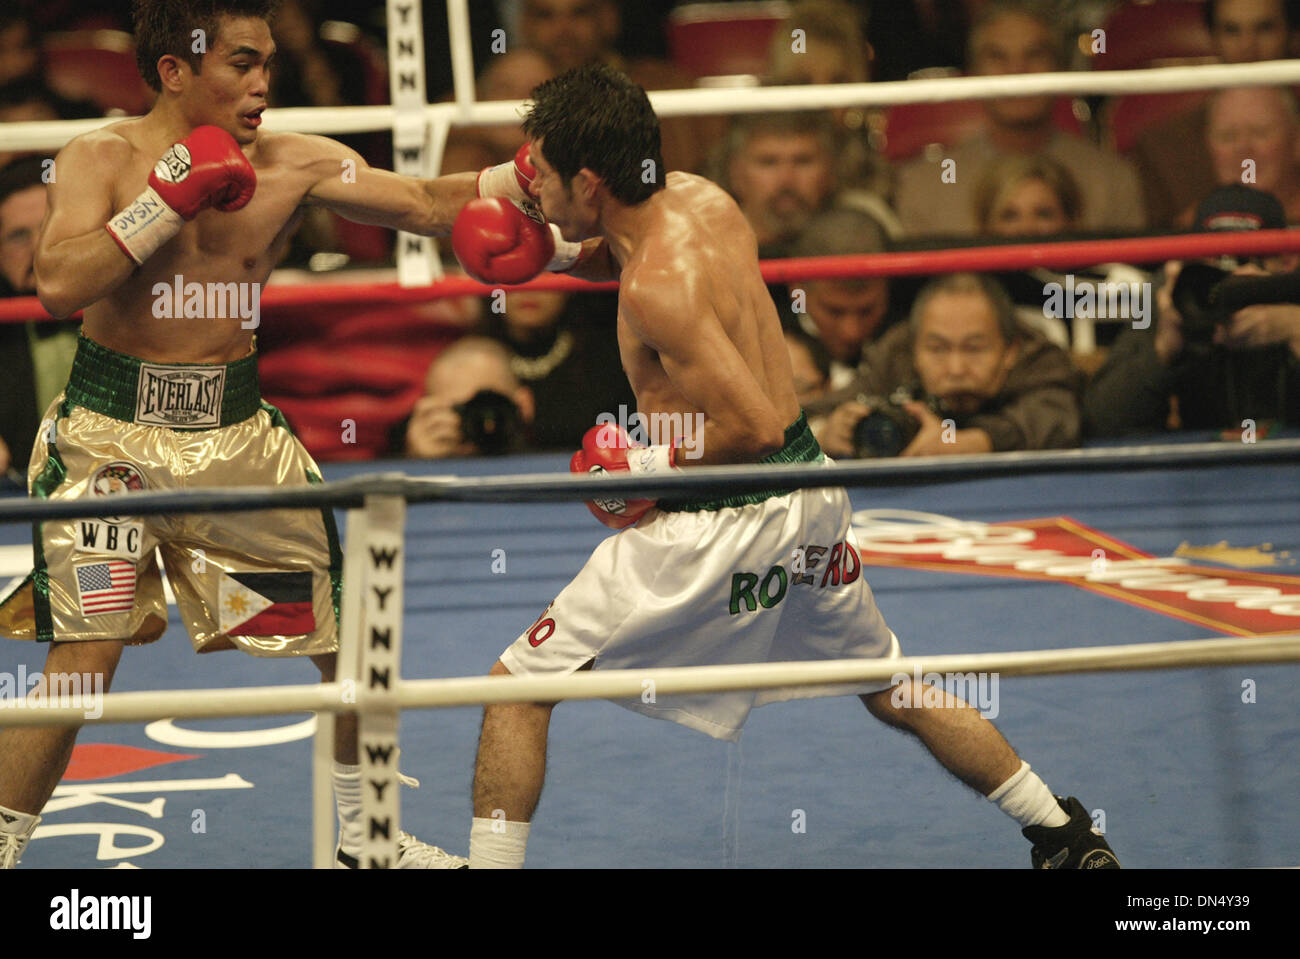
(106,587)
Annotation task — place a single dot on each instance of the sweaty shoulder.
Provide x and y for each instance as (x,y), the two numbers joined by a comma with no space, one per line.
(691,188)
(108,148)
(698,230)
(699,212)
(299,151)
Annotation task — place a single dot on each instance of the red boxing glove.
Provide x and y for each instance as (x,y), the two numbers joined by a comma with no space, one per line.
(500,241)
(605,448)
(205,169)
(512,179)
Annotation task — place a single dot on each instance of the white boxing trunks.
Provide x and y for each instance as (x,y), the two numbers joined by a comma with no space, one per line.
(695,584)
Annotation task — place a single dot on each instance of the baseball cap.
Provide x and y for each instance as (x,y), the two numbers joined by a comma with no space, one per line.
(1239,207)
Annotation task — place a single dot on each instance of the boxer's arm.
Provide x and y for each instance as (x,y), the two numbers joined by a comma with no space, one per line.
(672,317)
(342,181)
(77,260)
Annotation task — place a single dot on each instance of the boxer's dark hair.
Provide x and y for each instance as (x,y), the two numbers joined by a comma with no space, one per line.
(594,117)
(165,27)
(22,174)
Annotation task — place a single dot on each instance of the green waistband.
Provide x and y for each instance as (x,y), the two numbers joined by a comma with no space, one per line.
(179,396)
(800,447)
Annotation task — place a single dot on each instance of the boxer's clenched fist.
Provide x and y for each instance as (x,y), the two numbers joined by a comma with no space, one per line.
(501,241)
(607,448)
(206,169)
(512,179)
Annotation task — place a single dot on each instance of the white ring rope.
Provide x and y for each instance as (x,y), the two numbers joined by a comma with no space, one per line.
(338,121)
(668,681)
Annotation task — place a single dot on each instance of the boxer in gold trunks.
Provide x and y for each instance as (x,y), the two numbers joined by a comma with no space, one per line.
(163,393)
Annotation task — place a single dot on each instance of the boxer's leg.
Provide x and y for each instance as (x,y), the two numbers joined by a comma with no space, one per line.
(971,748)
(508,777)
(511,765)
(963,741)
(34,758)
(345,724)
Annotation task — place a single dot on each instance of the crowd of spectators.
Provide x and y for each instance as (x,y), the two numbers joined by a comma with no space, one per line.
(975,362)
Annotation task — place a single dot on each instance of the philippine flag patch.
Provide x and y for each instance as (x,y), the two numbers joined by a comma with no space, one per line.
(266,604)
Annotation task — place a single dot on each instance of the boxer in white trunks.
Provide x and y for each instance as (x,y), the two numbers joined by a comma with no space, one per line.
(761,577)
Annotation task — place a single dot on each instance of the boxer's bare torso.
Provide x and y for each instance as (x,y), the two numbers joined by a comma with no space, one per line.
(240,247)
(80,266)
(697,328)
(102,173)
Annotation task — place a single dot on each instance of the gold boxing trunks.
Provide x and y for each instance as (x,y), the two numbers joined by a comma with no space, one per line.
(268,583)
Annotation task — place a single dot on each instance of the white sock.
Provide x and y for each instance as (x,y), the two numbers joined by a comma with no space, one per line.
(1026,799)
(497,844)
(347,797)
(17,823)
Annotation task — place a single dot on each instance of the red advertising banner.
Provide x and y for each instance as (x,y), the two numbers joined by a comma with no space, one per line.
(1059,549)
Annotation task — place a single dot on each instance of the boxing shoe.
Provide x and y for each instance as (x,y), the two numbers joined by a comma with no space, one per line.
(411,854)
(16,829)
(1076,845)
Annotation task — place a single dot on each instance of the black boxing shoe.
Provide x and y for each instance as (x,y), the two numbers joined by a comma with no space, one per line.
(1076,845)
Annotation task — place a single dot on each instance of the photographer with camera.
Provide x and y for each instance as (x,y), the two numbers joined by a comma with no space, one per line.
(1224,345)
(564,349)
(962,376)
(473,404)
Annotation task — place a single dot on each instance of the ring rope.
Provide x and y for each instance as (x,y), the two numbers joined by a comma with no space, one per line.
(668,681)
(1001,257)
(552,487)
(337,121)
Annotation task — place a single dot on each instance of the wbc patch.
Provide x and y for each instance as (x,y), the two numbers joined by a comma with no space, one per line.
(180,396)
(107,587)
(266,604)
(111,539)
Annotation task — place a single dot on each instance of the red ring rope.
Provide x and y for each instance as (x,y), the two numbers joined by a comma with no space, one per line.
(1018,256)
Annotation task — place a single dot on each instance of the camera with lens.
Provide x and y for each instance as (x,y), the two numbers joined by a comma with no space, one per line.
(1195,300)
(492,422)
(889,428)
(1207,296)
